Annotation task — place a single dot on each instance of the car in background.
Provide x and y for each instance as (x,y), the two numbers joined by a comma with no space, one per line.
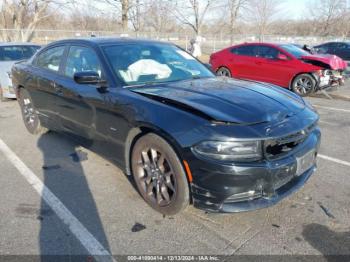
(285,65)
(185,135)
(11,53)
(341,49)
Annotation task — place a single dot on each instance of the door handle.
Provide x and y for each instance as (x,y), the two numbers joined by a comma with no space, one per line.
(258,63)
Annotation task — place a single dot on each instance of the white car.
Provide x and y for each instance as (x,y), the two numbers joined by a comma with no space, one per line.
(11,53)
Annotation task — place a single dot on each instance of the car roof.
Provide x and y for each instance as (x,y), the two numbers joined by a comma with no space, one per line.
(266,43)
(18,44)
(107,40)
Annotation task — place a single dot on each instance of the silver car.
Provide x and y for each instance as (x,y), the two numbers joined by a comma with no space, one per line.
(11,53)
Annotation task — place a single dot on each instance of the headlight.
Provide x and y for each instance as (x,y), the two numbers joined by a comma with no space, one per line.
(242,151)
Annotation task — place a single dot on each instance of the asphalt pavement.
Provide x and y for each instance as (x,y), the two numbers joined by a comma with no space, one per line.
(58,198)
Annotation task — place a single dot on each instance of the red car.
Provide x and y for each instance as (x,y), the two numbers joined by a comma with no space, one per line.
(285,65)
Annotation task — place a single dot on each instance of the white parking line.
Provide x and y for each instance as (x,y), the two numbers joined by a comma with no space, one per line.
(342,162)
(90,243)
(333,108)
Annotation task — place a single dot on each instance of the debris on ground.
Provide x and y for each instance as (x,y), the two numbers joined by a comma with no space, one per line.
(275,225)
(79,156)
(52,167)
(137,227)
(326,211)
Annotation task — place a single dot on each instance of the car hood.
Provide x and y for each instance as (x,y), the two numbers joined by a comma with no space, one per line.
(227,100)
(332,61)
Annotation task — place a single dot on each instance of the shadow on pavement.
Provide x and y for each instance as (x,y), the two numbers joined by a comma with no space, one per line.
(330,243)
(64,177)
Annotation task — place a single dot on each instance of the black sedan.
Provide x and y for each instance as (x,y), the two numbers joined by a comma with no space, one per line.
(184,135)
(341,49)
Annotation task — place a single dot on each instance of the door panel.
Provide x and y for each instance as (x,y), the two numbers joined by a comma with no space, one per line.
(273,70)
(45,71)
(243,62)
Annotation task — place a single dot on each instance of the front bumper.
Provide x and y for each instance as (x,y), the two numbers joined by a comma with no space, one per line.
(250,186)
(331,78)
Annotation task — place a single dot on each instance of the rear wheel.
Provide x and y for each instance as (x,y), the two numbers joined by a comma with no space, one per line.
(223,71)
(29,114)
(159,175)
(304,85)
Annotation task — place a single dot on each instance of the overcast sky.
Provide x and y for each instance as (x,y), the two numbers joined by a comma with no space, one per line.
(295,8)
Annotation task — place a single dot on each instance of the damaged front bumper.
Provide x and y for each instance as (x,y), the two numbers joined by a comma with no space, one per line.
(244,187)
(329,78)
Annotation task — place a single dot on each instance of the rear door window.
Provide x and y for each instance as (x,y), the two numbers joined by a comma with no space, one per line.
(268,52)
(246,50)
(50,58)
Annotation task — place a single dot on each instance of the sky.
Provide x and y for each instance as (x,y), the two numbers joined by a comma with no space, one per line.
(295,8)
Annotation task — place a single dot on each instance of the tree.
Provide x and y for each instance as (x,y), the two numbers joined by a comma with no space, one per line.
(262,13)
(192,13)
(327,14)
(23,17)
(234,7)
(124,7)
(20,18)
(157,17)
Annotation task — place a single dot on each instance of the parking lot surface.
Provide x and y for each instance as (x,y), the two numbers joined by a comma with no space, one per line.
(58,198)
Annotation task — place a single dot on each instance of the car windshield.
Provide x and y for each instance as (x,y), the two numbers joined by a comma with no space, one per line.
(138,64)
(15,53)
(294,50)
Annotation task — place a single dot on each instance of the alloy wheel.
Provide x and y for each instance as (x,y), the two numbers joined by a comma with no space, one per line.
(223,72)
(156,177)
(304,85)
(28,112)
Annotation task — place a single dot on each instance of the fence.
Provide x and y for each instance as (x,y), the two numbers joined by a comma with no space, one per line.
(210,43)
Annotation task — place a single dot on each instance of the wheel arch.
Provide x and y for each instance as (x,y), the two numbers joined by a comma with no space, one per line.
(223,66)
(298,74)
(143,129)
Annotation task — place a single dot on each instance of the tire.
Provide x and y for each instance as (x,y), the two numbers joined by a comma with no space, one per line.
(159,175)
(223,71)
(304,85)
(29,114)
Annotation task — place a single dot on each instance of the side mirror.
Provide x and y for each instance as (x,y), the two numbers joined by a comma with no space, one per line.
(282,57)
(87,78)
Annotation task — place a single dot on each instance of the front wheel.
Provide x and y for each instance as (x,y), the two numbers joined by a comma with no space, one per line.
(304,85)
(223,71)
(159,175)
(29,114)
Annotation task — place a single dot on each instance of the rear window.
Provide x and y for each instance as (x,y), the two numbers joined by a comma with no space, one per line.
(246,50)
(15,53)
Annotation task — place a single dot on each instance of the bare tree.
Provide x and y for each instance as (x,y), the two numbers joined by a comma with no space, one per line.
(234,7)
(124,7)
(327,14)
(157,16)
(20,18)
(192,12)
(262,13)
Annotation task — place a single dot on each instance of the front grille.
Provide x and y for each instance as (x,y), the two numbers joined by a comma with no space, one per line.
(279,147)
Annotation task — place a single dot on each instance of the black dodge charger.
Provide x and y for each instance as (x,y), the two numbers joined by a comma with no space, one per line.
(184,135)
